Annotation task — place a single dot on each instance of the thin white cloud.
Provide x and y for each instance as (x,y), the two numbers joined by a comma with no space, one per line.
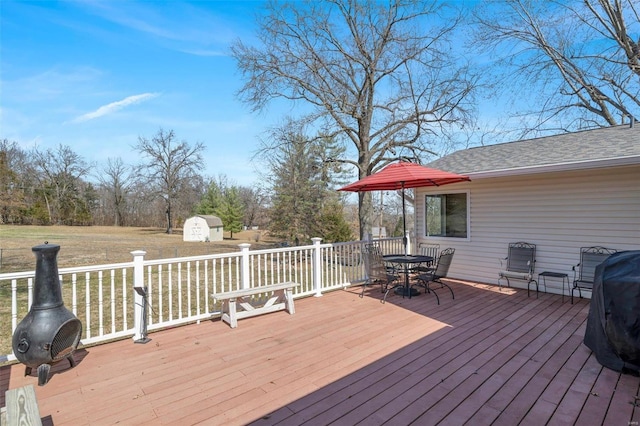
(204,52)
(115,106)
(199,29)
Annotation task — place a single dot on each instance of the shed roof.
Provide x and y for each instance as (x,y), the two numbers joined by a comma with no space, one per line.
(211,220)
(602,147)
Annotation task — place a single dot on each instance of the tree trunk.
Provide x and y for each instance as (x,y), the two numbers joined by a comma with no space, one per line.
(365,205)
(46,201)
(169,227)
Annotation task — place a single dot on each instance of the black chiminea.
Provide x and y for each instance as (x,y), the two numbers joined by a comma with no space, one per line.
(49,332)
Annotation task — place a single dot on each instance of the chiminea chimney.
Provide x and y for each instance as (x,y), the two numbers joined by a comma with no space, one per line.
(49,332)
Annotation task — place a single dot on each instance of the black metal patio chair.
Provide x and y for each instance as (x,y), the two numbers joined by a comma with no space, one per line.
(435,275)
(376,270)
(372,248)
(520,264)
(431,250)
(585,271)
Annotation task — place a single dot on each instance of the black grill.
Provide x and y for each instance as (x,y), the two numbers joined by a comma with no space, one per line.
(613,325)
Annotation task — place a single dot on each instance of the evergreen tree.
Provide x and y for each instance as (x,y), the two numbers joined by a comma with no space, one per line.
(231,210)
(301,178)
(211,200)
(332,225)
(223,200)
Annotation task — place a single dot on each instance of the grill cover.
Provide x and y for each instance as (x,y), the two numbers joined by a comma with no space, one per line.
(613,325)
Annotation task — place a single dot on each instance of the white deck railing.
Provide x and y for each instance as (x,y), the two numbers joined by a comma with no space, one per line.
(180,290)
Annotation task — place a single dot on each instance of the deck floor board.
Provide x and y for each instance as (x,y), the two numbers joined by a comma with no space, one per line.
(488,357)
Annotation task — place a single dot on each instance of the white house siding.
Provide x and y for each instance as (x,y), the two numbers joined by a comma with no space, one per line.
(559,212)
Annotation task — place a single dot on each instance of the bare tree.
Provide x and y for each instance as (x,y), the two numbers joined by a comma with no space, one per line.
(116,178)
(13,198)
(575,60)
(609,18)
(254,200)
(144,207)
(168,167)
(380,76)
(60,174)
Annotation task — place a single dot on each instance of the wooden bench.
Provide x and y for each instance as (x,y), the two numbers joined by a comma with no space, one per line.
(22,407)
(236,304)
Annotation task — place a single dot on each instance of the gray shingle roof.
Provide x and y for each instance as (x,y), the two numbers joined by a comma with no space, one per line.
(578,148)
(212,221)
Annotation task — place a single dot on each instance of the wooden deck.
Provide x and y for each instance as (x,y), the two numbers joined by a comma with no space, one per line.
(487,357)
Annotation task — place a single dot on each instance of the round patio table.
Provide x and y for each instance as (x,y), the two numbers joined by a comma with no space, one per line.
(404,261)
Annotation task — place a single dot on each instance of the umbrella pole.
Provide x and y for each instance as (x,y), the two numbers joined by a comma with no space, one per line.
(404,223)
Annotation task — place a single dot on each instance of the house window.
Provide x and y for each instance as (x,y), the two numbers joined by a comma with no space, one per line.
(447,215)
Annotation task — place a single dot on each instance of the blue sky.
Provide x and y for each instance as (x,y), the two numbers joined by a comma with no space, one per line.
(96,75)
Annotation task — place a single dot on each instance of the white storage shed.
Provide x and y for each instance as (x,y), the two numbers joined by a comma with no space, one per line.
(203,228)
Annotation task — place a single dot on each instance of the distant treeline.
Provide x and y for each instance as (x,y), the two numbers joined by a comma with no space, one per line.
(59,187)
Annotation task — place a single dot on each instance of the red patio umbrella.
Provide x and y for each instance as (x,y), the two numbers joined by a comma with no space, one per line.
(401,175)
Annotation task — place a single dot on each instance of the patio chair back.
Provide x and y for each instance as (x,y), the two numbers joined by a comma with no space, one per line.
(521,257)
(521,262)
(590,257)
(372,248)
(444,262)
(429,250)
(584,273)
(376,271)
(375,267)
(429,279)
